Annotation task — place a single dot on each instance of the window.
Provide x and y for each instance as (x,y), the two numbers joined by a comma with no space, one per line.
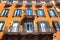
(5,12)
(52,13)
(9,1)
(29,12)
(43,26)
(1,25)
(18,12)
(40,13)
(15,26)
(56,25)
(20,1)
(28,26)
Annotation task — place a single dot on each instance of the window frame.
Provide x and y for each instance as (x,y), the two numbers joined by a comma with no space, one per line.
(4,12)
(2,25)
(25,27)
(56,25)
(28,14)
(14,14)
(55,15)
(40,15)
(11,27)
(46,26)
(9,2)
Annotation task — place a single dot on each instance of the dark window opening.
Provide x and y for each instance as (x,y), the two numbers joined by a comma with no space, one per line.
(56,25)
(5,13)
(28,26)
(17,12)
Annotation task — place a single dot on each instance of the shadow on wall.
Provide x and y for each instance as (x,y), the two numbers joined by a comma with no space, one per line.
(28,37)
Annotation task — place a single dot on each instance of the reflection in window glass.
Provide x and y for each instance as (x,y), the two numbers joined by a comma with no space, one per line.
(57,25)
(5,12)
(18,12)
(29,12)
(44,26)
(28,26)
(15,26)
(52,13)
(1,25)
(40,12)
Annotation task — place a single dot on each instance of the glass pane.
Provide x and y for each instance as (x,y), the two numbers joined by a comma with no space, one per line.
(1,25)
(57,25)
(9,1)
(29,12)
(15,26)
(18,12)
(44,26)
(29,26)
(52,13)
(40,13)
(5,12)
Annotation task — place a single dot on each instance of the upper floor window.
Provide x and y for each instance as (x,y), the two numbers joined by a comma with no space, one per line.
(40,13)
(28,26)
(52,13)
(56,25)
(9,1)
(43,26)
(1,25)
(29,12)
(5,12)
(15,26)
(17,12)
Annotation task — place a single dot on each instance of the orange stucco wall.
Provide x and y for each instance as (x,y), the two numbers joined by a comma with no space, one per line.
(8,20)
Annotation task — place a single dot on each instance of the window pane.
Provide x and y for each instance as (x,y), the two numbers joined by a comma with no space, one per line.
(28,26)
(40,13)
(52,13)
(9,1)
(44,26)
(5,12)
(1,25)
(57,25)
(15,26)
(29,12)
(18,12)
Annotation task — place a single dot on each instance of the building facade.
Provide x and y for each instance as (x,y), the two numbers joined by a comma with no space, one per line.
(29,19)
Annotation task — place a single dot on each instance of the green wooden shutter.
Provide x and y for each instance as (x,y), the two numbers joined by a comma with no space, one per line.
(39,26)
(25,26)
(47,26)
(33,26)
